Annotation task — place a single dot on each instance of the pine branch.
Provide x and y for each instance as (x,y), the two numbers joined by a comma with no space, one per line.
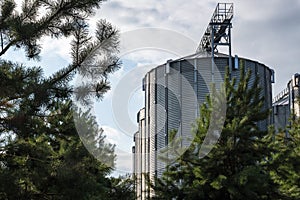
(62,74)
(2,41)
(50,24)
(5,49)
(85,51)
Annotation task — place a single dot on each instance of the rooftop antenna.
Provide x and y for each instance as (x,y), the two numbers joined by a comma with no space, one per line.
(218,32)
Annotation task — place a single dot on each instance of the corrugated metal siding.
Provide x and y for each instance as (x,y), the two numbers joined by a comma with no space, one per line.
(236,72)
(160,117)
(188,102)
(250,66)
(173,101)
(268,91)
(173,110)
(264,82)
(152,121)
(138,165)
(203,78)
(140,156)
(147,117)
(220,70)
(261,75)
(281,118)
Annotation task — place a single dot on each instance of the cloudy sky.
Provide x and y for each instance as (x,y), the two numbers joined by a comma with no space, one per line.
(263,30)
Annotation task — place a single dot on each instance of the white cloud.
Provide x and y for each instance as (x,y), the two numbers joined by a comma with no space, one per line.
(115,136)
(112,135)
(61,47)
(150,57)
(123,144)
(124,161)
(262,30)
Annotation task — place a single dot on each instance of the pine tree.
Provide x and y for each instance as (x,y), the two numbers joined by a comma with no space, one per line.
(122,188)
(41,153)
(232,169)
(284,163)
(58,19)
(52,162)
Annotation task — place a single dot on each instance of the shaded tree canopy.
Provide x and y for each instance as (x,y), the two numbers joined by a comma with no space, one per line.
(41,154)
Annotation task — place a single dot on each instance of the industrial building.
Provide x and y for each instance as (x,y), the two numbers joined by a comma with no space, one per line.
(175,90)
(286,104)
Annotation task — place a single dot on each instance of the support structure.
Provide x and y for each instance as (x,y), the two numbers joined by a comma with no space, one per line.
(218,33)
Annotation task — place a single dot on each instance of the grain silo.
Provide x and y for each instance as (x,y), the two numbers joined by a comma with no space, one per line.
(175,90)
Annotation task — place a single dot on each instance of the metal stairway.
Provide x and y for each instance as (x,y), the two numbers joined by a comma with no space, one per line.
(218,30)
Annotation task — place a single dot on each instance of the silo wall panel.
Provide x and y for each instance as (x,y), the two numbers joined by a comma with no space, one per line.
(160,117)
(188,101)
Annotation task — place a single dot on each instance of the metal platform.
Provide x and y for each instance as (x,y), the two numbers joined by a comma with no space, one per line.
(218,32)
(281,97)
(218,29)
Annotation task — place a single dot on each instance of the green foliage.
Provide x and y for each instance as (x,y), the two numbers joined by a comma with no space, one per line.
(121,188)
(41,153)
(232,169)
(40,18)
(284,163)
